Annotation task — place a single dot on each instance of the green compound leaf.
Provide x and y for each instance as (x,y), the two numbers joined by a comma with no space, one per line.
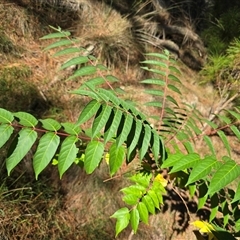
(156,145)
(83,71)
(202,169)
(84,92)
(26,119)
(174,88)
(59,43)
(26,139)
(208,141)
(93,156)
(134,219)
(101,119)
(203,196)
(185,162)
(235,113)
(145,142)
(128,120)
(5,116)
(136,190)
(116,158)
(225,141)
(147,200)
(154,82)
(6,131)
(237,194)
(112,125)
(134,142)
(172,100)
(71,128)
(123,217)
(154,198)
(174,78)
(156,63)
(143,212)
(66,51)
(46,149)
(67,155)
(159,190)
(91,108)
(56,35)
(74,61)
(154,92)
(236,131)
(130,199)
(50,124)
(141,179)
(214,207)
(110,96)
(228,172)
(172,159)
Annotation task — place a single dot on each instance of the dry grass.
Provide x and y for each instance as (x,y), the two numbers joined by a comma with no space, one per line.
(78,206)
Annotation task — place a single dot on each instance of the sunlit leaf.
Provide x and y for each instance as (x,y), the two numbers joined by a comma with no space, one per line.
(89,110)
(130,199)
(26,139)
(154,81)
(50,124)
(145,142)
(46,149)
(67,155)
(147,200)
(202,169)
(154,198)
(141,179)
(26,119)
(117,155)
(5,116)
(185,162)
(128,120)
(93,156)
(101,119)
(123,217)
(237,194)
(134,219)
(67,51)
(56,35)
(83,71)
(214,207)
(172,159)
(225,141)
(143,212)
(60,43)
(228,172)
(71,128)
(135,140)
(137,190)
(74,61)
(174,88)
(112,125)
(236,131)
(6,131)
(208,141)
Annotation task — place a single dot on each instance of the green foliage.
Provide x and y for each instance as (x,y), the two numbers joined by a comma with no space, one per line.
(223,30)
(119,128)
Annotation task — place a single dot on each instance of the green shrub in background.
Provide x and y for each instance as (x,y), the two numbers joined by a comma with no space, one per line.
(122,131)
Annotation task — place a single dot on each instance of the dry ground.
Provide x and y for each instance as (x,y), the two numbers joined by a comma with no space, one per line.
(78,206)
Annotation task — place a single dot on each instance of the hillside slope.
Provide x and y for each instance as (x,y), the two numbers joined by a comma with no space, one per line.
(78,206)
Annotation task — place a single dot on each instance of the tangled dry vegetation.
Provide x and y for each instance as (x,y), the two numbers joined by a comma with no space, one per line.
(78,206)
